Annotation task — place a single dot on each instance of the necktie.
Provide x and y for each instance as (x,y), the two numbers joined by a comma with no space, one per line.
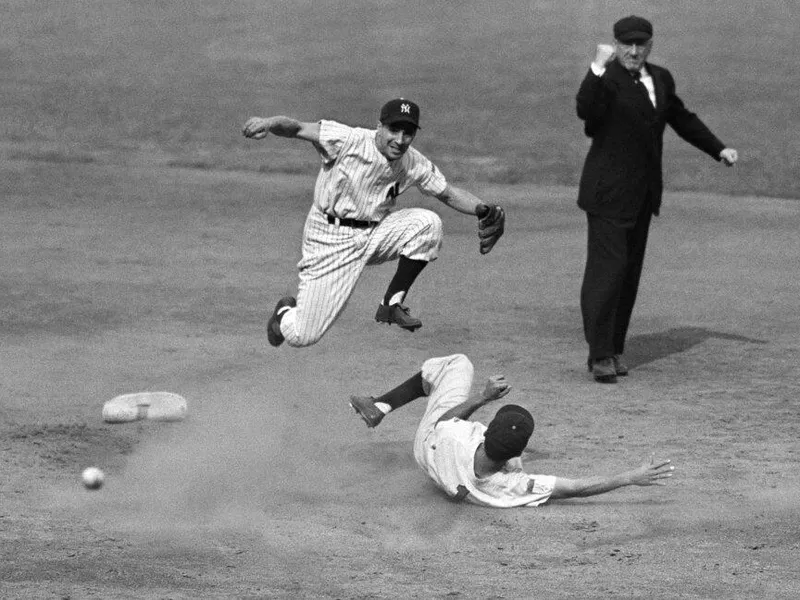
(637,79)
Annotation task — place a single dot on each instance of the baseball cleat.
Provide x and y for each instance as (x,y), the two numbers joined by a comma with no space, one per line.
(366,409)
(603,370)
(399,314)
(274,335)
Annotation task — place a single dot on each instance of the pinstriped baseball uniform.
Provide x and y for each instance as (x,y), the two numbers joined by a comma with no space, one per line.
(357,182)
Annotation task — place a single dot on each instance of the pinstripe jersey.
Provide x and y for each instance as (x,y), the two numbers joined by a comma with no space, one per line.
(356,181)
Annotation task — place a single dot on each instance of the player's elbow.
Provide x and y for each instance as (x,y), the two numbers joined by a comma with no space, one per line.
(302,337)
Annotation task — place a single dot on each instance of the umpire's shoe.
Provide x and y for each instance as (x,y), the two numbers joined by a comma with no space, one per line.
(366,409)
(397,313)
(604,370)
(620,367)
(274,334)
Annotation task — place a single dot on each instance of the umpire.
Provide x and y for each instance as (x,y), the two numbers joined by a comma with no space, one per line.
(625,103)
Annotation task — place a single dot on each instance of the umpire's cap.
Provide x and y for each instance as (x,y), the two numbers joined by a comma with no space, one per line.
(633,30)
(400,110)
(508,433)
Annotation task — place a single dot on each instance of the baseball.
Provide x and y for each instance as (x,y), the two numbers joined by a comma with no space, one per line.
(93,478)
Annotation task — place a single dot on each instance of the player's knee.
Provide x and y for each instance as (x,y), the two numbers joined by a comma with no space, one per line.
(424,222)
(304,339)
(426,236)
(301,342)
(300,335)
(433,225)
(462,361)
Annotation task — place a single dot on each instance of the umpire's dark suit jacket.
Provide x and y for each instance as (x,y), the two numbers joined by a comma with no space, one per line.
(623,165)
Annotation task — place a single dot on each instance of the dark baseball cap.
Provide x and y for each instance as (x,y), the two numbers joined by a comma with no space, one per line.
(400,110)
(508,433)
(633,29)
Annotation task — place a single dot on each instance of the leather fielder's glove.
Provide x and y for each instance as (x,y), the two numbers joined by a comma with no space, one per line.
(491,224)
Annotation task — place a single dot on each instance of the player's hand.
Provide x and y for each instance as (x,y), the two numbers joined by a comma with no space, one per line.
(652,472)
(496,387)
(256,128)
(491,225)
(729,156)
(605,54)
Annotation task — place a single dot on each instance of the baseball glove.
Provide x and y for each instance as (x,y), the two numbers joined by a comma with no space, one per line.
(491,224)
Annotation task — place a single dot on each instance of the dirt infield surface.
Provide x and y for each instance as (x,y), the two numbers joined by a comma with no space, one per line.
(119,280)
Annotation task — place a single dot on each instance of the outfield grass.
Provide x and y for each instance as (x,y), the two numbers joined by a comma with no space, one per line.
(172,82)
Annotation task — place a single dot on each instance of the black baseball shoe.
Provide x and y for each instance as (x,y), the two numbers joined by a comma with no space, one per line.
(366,409)
(619,366)
(603,370)
(399,314)
(274,335)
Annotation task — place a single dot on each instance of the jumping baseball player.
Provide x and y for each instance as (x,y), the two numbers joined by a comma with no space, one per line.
(351,223)
(479,463)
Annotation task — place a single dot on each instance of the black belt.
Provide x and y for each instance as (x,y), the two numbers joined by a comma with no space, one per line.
(350,222)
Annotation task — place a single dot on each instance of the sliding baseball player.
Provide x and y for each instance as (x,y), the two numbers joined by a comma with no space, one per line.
(478,463)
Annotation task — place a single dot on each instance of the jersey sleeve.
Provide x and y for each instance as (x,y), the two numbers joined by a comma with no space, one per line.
(332,138)
(425,175)
(524,489)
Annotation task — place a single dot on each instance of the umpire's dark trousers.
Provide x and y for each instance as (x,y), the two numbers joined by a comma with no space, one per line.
(614,258)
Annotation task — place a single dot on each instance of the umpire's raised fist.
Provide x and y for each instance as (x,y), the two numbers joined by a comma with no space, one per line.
(605,54)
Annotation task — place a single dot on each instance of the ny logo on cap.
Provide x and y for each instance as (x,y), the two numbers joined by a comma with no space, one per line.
(405,108)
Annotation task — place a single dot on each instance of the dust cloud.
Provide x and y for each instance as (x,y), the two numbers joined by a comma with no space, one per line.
(283,457)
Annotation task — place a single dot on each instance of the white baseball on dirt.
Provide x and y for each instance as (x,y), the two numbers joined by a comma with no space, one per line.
(93,478)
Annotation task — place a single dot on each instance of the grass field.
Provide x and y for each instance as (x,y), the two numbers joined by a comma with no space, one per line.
(145,243)
(172,82)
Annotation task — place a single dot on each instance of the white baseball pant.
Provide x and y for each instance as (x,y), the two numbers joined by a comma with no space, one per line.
(335,255)
(447,380)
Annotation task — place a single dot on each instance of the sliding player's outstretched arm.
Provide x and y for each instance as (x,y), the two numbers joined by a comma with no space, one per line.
(651,472)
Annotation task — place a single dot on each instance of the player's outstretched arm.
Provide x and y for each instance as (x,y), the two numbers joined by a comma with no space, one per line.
(460,199)
(651,472)
(491,219)
(257,128)
(496,387)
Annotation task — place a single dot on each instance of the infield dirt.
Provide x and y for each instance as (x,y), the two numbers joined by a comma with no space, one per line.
(145,243)
(273,488)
